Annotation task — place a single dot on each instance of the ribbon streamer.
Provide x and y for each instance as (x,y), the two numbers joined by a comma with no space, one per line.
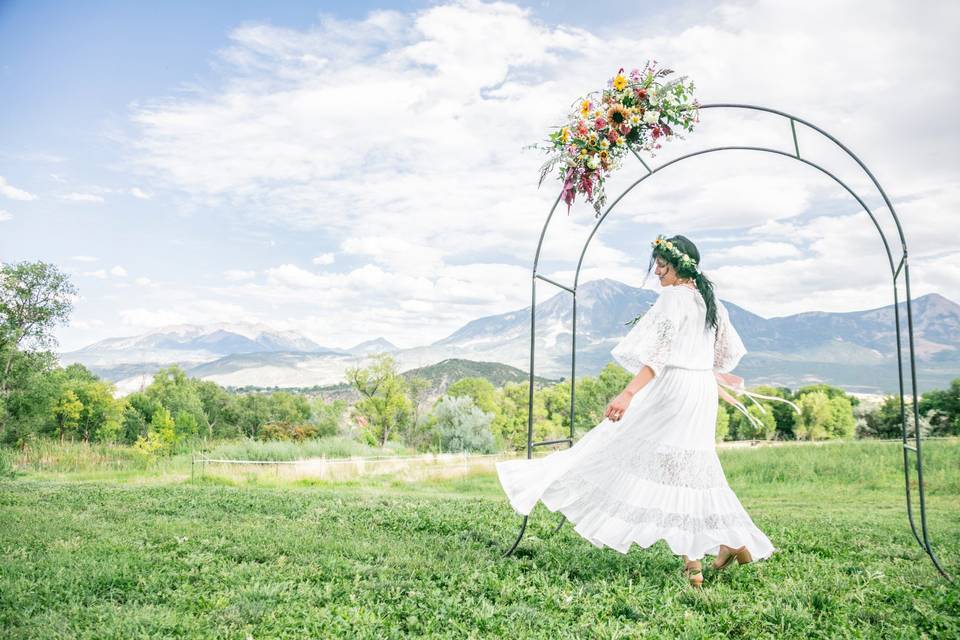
(729,385)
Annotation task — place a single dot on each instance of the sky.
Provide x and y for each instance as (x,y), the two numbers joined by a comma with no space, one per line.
(363,169)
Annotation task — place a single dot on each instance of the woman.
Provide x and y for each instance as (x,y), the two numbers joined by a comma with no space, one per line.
(650,470)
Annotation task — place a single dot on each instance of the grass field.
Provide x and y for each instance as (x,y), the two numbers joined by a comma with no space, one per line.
(382,558)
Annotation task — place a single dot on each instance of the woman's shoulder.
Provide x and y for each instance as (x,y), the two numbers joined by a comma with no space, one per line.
(678,294)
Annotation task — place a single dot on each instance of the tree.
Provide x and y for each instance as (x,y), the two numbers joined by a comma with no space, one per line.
(221,409)
(327,417)
(172,389)
(66,413)
(480,390)
(418,387)
(138,410)
(593,395)
(744,429)
(824,417)
(34,298)
(287,407)
(723,422)
(32,392)
(942,409)
(100,418)
(462,426)
(783,414)
(384,405)
(510,426)
(885,422)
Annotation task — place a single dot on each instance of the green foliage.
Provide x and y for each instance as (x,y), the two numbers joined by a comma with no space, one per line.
(463,426)
(885,421)
(328,417)
(480,390)
(824,417)
(66,413)
(723,423)
(510,426)
(743,429)
(384,409)
(942,409)
(418,560)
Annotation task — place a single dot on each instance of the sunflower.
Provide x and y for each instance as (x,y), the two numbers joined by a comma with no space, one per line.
(617,114)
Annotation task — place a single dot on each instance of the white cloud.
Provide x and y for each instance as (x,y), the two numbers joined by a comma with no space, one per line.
(82,197)
(84,258)
(99,273)
(182,308)
(118,271)
(398,140)
(13,192)
(238,274)
(137,192)
(5,215)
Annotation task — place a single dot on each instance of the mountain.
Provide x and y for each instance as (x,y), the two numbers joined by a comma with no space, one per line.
(186,343)
(856,350)
(372,346)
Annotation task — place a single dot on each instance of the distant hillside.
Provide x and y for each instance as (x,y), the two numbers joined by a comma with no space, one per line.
(440,376)
(855,350)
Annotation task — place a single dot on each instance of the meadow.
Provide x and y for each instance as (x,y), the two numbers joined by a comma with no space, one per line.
(136,550)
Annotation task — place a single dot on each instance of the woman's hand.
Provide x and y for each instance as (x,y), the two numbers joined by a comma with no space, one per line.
(618,406)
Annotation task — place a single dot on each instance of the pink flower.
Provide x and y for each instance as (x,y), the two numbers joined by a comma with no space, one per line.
(613,136)
(624,128)
(600,123)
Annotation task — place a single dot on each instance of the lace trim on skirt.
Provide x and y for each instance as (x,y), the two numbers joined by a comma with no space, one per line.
(599,499)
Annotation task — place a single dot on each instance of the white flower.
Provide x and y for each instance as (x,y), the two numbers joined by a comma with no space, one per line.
(651,117)
(593,162)
(635,120)
(604,144)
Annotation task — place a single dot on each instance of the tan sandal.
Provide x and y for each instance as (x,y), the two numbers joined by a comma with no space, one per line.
(693,572)
(725,557)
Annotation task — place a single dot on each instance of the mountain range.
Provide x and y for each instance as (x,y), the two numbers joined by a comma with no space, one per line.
(855,350)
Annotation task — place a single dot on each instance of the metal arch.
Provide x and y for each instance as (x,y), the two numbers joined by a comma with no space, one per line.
(902,266)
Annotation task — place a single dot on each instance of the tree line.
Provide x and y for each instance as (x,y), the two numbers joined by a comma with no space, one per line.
(41,399)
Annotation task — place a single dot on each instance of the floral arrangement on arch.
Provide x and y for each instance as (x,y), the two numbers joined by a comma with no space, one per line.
(637,111)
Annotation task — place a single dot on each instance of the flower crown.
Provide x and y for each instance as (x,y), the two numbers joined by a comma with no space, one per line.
(663,246)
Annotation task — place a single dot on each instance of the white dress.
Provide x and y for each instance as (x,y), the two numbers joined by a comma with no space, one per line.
(654,474)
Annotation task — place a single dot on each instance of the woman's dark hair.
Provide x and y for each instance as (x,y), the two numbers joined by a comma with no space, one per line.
(684,270)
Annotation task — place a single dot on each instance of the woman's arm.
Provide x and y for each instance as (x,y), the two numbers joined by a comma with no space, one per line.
(620,403)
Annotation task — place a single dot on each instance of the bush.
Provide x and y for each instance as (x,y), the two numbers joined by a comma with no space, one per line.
(463,426)
(288,431)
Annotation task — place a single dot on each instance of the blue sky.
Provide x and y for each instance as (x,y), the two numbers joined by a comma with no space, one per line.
(356,170)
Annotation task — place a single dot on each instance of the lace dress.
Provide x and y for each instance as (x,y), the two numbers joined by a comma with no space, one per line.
(654,474)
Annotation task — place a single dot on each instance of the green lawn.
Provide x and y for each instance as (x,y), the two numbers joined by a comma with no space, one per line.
(380,558)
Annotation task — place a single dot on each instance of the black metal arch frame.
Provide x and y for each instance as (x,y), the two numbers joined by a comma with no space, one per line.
(897,270)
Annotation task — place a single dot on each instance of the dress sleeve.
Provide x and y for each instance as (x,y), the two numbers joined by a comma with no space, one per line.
(728,347)
(651,339)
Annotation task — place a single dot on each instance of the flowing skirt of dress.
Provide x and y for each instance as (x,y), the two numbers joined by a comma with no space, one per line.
(652,475)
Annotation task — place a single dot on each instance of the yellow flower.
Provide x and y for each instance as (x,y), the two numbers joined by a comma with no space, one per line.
(620,82)
(564,135)
(669,245)
(585,108)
